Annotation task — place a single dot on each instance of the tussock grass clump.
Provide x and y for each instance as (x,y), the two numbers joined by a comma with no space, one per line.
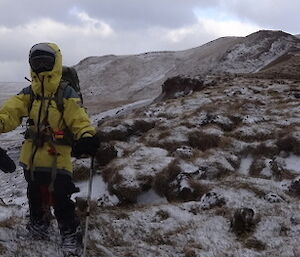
(203,141)
(81,173)
(119,133)
(156,237)
(249,187)
(243,222)
(162,182)
(279,173)
(253,243)
(161,215)
(123,131)
(198,189)
(236,119)
(126,195)
(167,183)
(289,143)
(106,153)
(164,134)
(143,126)
(266,150)
(253,134)
(169,139)
(9,222)
(169,145)
(3,249)
(256,167)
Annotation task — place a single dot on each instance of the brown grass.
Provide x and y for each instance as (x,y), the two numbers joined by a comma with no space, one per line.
(249,187)
(189,252)
(81,173)
(253,243)
(143,126)
(202,141)
(9,222)
(198,189)
(255,136)
(126,195)
(163,185)
(288,144)
(162,215)
(265,150)
(256,167)
(154,237)
(280,173)
(223,211)
(162,182)
(110,237)
(164,134)
(3,249)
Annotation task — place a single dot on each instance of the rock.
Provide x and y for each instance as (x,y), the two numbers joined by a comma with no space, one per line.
(210,200)
(180,86)
(184,152)
(294,187)
(106,153)
(242,221)
(273,198)
(295,220)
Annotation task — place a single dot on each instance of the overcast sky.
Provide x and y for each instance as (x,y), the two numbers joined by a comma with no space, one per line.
(85,28)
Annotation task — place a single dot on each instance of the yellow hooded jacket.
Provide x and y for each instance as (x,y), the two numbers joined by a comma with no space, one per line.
(74,117)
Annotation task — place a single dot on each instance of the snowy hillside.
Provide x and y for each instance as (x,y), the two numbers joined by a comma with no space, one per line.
(112,81)
(234,144)
(211,168)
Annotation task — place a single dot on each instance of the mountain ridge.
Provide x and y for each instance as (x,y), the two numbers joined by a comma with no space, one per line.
(117,80)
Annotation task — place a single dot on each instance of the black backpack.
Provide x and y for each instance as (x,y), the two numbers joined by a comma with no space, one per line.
(70,78)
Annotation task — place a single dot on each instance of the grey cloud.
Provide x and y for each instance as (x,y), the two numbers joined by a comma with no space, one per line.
(14,14)
(119,13)
(276,14)
(141,14)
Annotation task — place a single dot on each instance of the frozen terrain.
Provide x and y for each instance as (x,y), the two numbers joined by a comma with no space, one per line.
(187,162)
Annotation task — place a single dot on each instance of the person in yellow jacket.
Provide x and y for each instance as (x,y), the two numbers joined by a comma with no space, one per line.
(45,155)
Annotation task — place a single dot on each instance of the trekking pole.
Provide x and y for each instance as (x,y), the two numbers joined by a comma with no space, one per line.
(88,206)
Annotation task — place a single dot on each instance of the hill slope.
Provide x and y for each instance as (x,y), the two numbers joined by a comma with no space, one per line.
(111,81)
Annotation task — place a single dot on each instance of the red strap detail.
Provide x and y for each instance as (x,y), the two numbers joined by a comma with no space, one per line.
(47,197)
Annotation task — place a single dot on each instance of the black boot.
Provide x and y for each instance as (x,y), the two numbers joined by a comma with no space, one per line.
(71,242)
(38,230)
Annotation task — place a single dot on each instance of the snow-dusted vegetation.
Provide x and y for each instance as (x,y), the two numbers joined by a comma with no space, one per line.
(210,168)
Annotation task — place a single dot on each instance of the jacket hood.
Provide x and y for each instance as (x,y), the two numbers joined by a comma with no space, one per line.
(49,80)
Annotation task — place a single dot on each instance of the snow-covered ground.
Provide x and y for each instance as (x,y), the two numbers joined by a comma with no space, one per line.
(232,145)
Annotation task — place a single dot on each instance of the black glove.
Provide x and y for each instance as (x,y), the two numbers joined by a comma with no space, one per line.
(86,146)
(7,165)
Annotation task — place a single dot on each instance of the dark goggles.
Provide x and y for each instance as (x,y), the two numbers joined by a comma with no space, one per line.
(41,58)
(42,63)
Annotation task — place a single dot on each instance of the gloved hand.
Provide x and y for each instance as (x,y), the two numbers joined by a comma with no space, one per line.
(7,165)
(86,146)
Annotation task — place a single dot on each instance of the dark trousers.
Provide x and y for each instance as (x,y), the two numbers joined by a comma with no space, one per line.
(40,200)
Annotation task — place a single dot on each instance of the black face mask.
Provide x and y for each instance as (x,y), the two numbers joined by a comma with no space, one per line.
(41,58)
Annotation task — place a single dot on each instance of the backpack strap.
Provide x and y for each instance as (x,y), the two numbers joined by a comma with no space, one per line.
(29,91)
(59,96)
